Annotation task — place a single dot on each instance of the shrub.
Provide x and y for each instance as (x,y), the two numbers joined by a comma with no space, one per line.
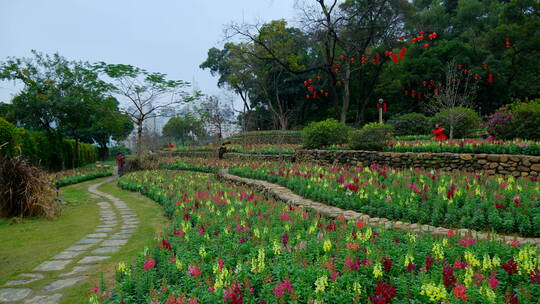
(461,121)
(499,124)
(24,190)
(372,137)
(410,124)
(526,119)
(7,138)
(325,133)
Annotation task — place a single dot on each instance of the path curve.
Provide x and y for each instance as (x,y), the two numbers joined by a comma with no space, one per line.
(118,223)
(286,195)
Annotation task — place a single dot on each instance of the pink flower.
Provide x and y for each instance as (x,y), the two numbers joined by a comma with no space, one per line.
(493,283)
(283,287)
(515,243)
(149,264)
(450,233)
(467,242)
(460,292)
(284,216)
(194,270)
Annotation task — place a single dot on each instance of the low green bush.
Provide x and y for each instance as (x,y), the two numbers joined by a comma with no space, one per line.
(372,137)
(465,121)
(410,124)
(325,133)
(526,119)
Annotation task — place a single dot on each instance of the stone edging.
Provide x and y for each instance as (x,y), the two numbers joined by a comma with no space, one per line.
(286,195)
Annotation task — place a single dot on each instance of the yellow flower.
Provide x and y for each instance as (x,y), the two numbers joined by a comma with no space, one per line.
(202,252)
(257,233)
(327,245)
(377,270)
(436,293)
(527,259)
(469,274)
(178,264)
(438,251)
(495,261)
(321,284)
(488,293)
(471,259)
(486,263)
(409,259)
(357,288)
(411,237)
(276,248)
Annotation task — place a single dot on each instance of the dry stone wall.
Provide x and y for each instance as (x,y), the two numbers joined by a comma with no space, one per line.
(516,165)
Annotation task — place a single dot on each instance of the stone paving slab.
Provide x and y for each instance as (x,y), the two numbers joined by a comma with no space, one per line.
(52,265)
(67,255)
(89,241)
(106,226)
(97,235)
(114,242)
(10,295)
(63,283)
(48,299)
(103,229)
(77,270)
(106,250)
(128,230)
(32,277)
(79,247)
(120,236)
(92,259)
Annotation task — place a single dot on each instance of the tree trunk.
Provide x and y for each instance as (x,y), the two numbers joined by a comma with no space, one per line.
(139,137)
(346,94)
(75,160)
(451,135)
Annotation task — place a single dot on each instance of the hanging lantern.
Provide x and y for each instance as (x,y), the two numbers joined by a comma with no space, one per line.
(401,38)
(459,66)
(426,45)
(485,66)
(490,78)
(402,53)
(476,75)
(507,42)
(307,96)
(325,93)
(315,94)
(305,82)
(310,80)
(318,78)
(339,83)
(424,83)
(310,88)
(406,92)
(395,58)
(413,40)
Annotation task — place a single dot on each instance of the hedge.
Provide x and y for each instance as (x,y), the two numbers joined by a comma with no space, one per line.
(51,152)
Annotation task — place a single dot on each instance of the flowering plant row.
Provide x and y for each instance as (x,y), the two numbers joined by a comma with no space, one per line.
(466,146)
(230,245)
(69,177)
(466,200)
(194,164)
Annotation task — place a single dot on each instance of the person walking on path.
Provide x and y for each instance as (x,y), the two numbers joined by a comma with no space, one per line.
(120,163)
(439,133)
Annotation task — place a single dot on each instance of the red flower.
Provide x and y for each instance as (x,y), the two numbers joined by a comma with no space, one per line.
(149,264)
(449,279)
(194,270)
(535,276)
(460,292)
(467,242)
(387,264)
(450,233)
(285,239)
(165,244)
(384,293)
(510,267)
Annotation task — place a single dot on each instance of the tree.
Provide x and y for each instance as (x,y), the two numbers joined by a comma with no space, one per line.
(217,116)
(458,91)
(146,94)
(185,128)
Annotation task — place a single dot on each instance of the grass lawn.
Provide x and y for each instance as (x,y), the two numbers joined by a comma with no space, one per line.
(152,221)
(28,244)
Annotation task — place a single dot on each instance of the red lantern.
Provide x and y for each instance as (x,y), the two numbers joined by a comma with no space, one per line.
(318,77)
(383,107)
(476,75)
(406,92)
(310,80)
(507,42)
(419,38)
(424,83)
(171,146)
(490,78)
(395,58)
(426,45)
(485,66)
(321,90)
(310,88)
(325,93)
(401,38)
(402,53)
(307,96)
(459,66)
(339,83)
(413,40)
(352,60)
(315,95)
(305,82)
(465,71)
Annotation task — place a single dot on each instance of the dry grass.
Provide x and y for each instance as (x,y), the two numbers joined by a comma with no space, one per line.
(25,190)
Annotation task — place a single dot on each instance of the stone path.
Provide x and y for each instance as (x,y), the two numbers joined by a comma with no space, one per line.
(288,196)
(71,266)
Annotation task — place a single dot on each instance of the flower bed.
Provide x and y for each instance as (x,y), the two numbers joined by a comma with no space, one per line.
(194,164)
(229,245)
(69,177)
(515,147)
(467,200)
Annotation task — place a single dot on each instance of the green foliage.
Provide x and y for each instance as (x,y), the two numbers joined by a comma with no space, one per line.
(41,149)
(410,124)
(464,121)
(371,137)
(7,138)
(325,133)
(526,119)
(186,129)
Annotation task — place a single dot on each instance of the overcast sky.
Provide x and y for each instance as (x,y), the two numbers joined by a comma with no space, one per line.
(168,36)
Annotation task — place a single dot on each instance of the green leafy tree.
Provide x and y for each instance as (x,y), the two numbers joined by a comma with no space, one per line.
(185,128)
(146,95)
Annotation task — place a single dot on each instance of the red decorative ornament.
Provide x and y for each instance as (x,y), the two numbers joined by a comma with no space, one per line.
(310,80)
(321,90)
(431,81)
(384,107)
(459,66)
(507,42)
(413,40)
(325,93)
(305,82)
(402,53)
(315,95)
(419,38)
(394,57)
(426,45)
(476,75)
(310,88)
(490,78)
(341,57)
(424,83)
(307,96)
(401,38)
(465,71)
(485,66)
(171,146)
(406,92)
(318,78)
(422,33)
(339,83)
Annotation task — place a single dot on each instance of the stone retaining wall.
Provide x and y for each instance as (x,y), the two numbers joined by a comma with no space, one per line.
(258,157)
(286,195)
(203,154)
(516,165)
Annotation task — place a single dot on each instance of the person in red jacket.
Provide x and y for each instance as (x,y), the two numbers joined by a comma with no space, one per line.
(439,133)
